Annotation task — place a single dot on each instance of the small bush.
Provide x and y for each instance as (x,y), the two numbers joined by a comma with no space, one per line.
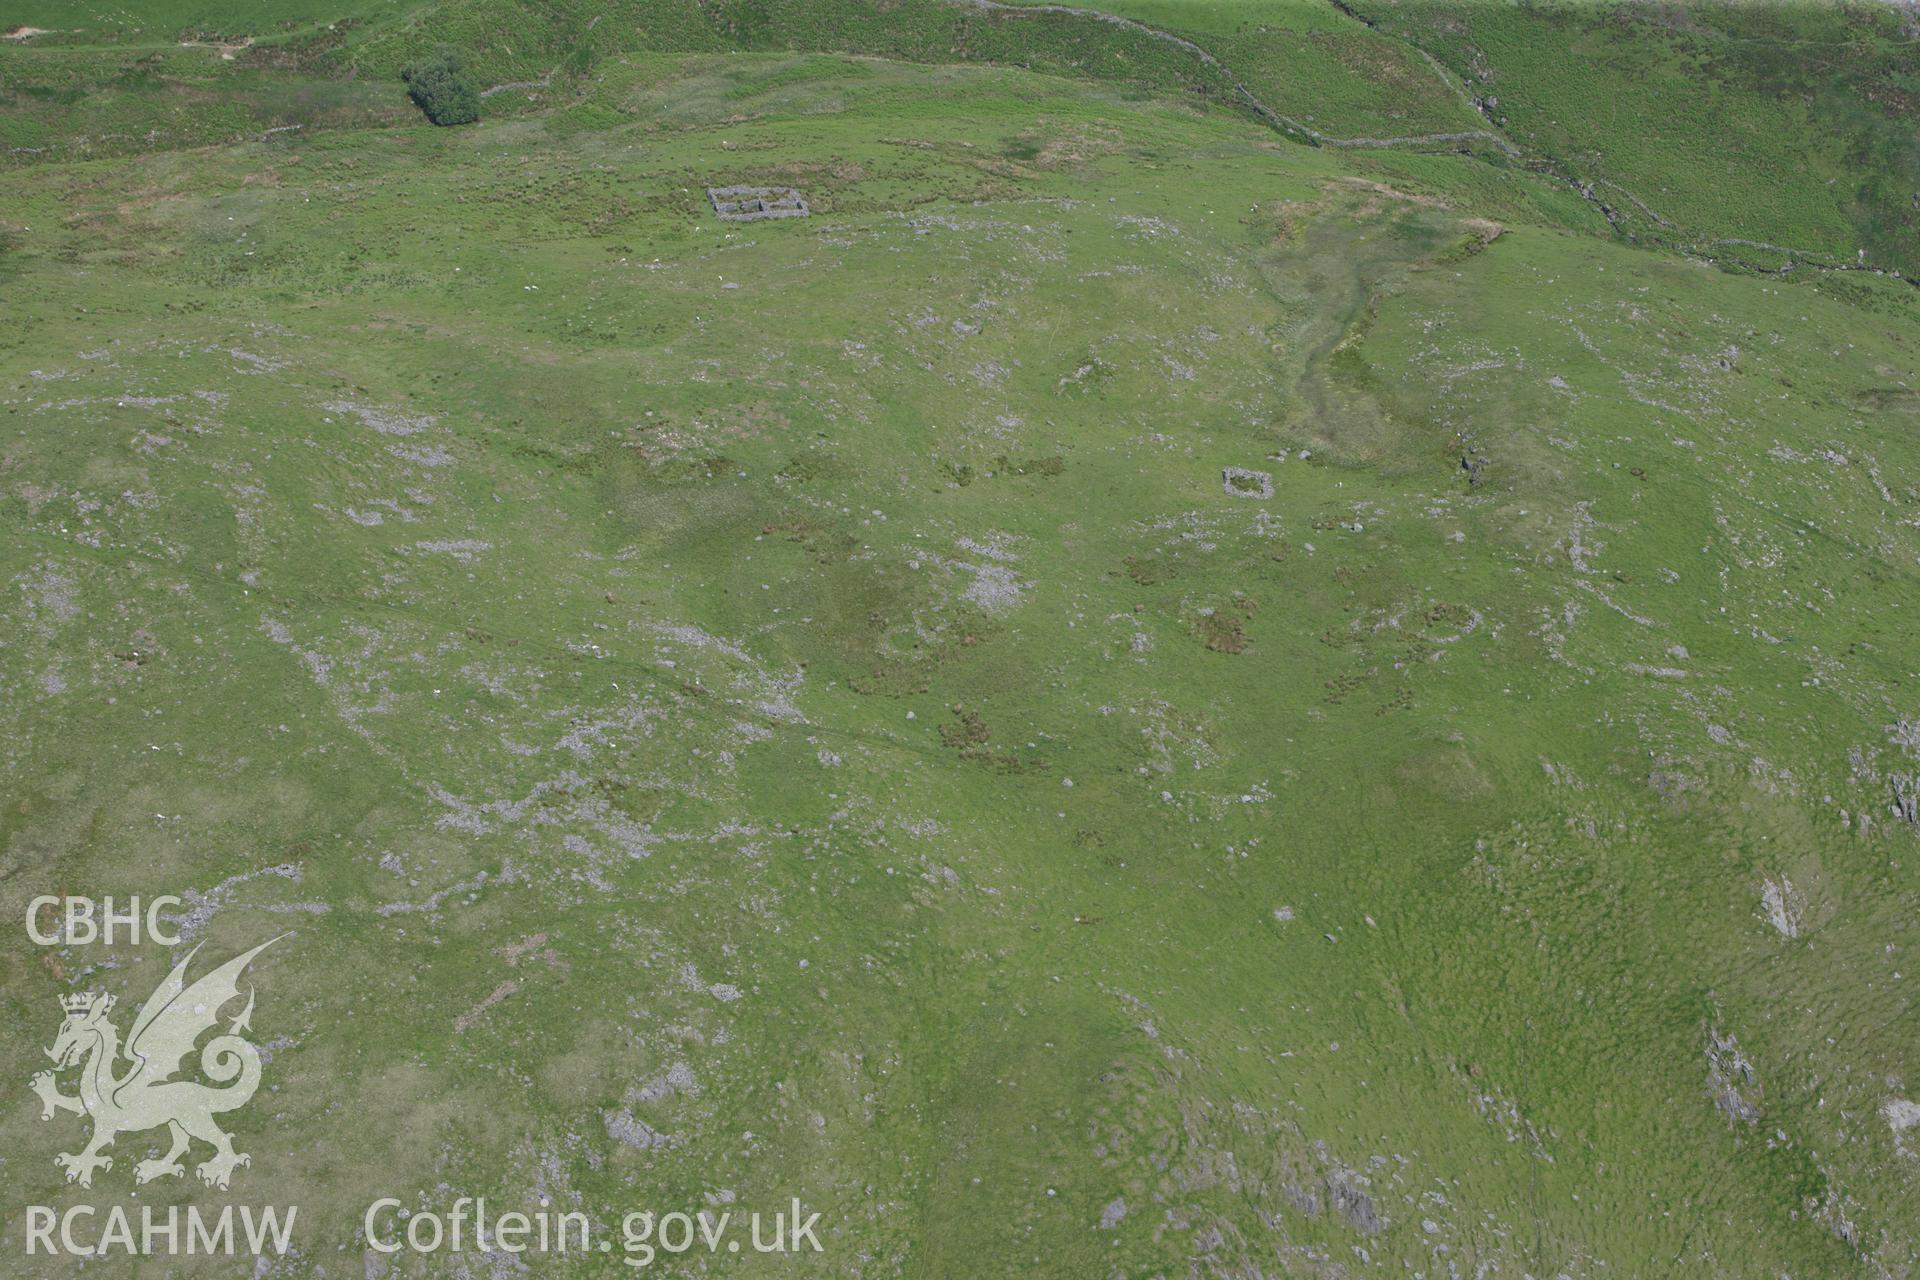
(439,84)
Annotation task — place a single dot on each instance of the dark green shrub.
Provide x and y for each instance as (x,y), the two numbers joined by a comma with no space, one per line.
(440,85)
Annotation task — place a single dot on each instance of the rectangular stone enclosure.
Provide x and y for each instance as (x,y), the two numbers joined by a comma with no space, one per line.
(750,204)
(1242,482)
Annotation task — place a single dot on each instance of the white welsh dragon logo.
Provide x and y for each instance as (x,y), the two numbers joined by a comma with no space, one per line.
(143,1094)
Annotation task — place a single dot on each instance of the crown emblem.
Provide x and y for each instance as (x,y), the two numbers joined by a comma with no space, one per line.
(79,1002)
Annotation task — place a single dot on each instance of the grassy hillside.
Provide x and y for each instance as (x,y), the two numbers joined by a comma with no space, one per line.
(1130,697)
(59,23)
(1740,126)
(1757,135)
